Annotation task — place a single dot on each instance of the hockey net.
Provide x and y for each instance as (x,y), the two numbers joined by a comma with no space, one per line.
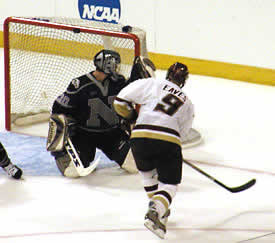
(42,55)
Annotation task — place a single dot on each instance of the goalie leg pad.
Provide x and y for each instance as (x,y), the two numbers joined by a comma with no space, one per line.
(65,166)
(129,163)
(58,132)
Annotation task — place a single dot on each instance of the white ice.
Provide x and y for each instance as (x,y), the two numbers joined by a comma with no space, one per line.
(237,121)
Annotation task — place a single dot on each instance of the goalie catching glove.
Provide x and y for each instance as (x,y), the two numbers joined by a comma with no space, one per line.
(142,68)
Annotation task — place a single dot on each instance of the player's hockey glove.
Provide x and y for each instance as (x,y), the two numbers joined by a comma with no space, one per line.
(125,126)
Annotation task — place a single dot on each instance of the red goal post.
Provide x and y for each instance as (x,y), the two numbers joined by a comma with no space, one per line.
(42,55)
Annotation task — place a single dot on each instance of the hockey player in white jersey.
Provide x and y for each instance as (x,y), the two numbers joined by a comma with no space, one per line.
(164,118)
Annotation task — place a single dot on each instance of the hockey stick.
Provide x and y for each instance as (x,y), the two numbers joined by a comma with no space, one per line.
(81,170)
(231,189)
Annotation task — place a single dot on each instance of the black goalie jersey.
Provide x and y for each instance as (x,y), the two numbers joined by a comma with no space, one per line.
(89,102)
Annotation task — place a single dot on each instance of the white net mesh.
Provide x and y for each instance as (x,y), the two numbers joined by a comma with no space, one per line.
(43,59)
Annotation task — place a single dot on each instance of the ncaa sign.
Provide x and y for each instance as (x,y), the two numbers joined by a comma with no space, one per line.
(100,10)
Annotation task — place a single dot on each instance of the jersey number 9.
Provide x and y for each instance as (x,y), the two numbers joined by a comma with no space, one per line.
(171,104)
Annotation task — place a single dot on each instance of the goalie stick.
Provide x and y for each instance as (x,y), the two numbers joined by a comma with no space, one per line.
(81,170)
(231,189)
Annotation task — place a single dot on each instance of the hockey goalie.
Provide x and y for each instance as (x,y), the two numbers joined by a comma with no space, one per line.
(83,119)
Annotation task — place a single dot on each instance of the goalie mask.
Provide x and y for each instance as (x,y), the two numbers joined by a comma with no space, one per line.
(177,73)
(107,61)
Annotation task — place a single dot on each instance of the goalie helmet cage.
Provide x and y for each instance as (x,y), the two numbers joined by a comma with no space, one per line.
(43,54)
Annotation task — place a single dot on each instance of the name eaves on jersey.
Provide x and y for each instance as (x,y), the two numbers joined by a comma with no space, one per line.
(174,91)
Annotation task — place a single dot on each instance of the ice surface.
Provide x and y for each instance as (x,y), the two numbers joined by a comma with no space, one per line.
(236,120)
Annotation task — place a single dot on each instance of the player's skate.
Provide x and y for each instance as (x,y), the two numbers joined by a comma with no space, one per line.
(13,171)
(155,223)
